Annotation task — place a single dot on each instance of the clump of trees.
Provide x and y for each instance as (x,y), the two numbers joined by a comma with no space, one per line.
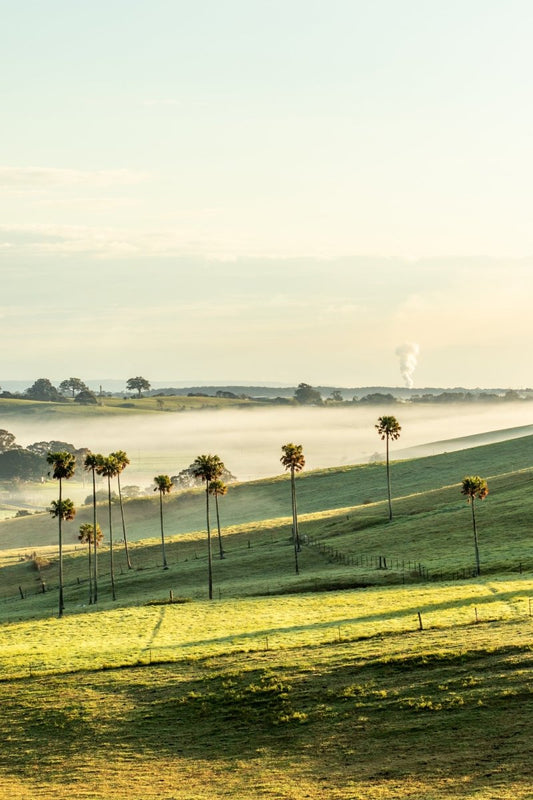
(305,395)
(188,478)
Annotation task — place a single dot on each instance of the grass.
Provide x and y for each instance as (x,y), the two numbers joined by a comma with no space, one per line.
(396,712)
(117,406)
(318,685)
(338,488)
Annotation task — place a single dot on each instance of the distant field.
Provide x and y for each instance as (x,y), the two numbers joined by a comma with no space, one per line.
(117,406)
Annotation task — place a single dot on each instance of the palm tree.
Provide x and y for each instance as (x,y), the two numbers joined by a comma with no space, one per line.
(108,467)
(86,536)
(90,464)
(475,488)
(163,485)
(389,429)
(209,468)
(122,462)
(293,459)
(218,489)
(63,466)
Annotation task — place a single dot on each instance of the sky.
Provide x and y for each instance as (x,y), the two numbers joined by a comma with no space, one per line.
(266,190)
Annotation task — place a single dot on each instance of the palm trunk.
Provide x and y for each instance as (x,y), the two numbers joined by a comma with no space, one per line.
(91,572)
(209,558)
(61,603)
(165,565)
(295,539)
(95,582)
(476,548)
(113,593)
(388,479)
(218,526)
(128,560)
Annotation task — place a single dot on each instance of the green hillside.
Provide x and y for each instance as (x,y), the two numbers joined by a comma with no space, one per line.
(381,670)
(339,487)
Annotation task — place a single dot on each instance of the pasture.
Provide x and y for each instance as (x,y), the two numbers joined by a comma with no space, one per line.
(381,670)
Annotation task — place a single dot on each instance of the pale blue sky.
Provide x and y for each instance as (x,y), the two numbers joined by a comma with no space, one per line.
(261,190)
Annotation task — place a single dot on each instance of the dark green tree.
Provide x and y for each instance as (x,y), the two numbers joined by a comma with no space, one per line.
(293,459)
(86,398)
(108,467)
(86,536)
(7,440)
(208,468)
(163,485)
(475,488)
(122,461)
(42,389)
(305,395)
(138,384)
(63,466)
(218,489)
(388,429)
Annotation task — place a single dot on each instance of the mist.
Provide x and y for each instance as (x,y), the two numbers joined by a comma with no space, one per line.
(249,440)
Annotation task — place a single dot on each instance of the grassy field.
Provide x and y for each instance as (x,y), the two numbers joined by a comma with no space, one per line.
(378,671)
(336,695)
(109,406)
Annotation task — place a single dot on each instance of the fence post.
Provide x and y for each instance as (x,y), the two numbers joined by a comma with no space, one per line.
(420,626)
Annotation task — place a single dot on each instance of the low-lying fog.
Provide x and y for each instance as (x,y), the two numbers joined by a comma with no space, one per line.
(249,440)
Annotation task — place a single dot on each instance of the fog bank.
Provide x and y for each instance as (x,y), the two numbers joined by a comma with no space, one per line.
(249,440)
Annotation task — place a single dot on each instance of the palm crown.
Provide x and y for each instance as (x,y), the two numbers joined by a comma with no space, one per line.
(293,457)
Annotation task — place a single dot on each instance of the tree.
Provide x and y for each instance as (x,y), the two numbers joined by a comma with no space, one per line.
(42,389)
(475,488)
(7,441)
(63,466)
(90,464)
(122,462)
(108,467)
(138,384)
(19,464)
(208,468)
(163,485)
(388,429)
(218,489)
(73,385)
(336,396)
(305,395)
(186,479)
(86,536)
(293,459)
(86,398)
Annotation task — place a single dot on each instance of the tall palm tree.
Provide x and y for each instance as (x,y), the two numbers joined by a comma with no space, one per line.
(63,466)
(122,462)
(209,468)
(218,489)
(90,464)
(163,485)
(389,429)
(108,467)
(86,536)
(475,488)
(293,459)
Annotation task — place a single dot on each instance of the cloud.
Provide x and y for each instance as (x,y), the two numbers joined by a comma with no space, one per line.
(44,178)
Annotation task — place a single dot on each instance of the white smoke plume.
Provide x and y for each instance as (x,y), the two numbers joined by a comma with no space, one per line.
(408,355)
